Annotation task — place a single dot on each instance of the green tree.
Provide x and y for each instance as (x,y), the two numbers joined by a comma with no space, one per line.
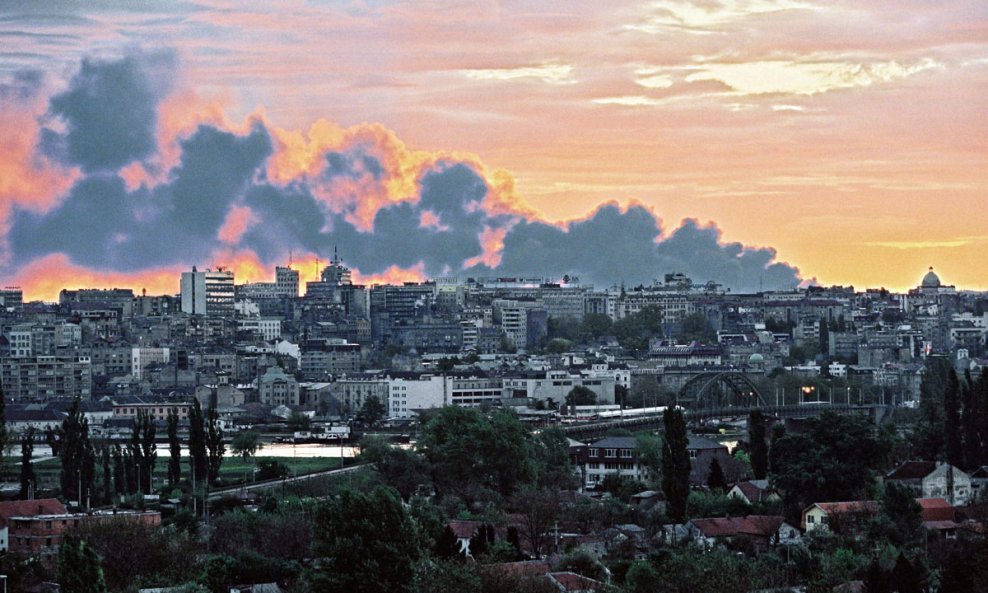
(970,423)
(759,446)
(468,451)
(27,468)
(581,396)
(675,464)
(642,578)
(404,470)
(446,577)
(5,435)
(372,411)
(928,434)
(596,325)
(79,569)
(297,421)
(824,341)
(552,454)
(174,448)
(635,331)
(77,456)
(143,450)
(648,452)
(903,514)
(715,478)
(695,327)
(954,447)
(539,510)
(198,462)
(366,543)
(246,444)
(214,445)
(447,545)
(835,458)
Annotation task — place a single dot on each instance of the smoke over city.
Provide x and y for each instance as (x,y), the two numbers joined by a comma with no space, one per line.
(117,175)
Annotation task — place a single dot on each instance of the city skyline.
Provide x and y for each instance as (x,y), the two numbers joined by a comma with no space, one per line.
(761,143)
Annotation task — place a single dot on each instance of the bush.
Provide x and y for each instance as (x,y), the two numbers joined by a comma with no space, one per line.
(271,469)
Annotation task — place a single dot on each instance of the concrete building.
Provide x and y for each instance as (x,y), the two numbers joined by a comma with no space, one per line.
(142,357)
(210,292)
(554,386)
(322,360)
(277,388)
(406,395)
(40,378)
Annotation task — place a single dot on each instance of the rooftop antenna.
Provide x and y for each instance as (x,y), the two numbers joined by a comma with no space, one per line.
(336,255)
(290,254)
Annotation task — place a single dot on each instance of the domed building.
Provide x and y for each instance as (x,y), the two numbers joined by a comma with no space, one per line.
(931,285)
(931,282)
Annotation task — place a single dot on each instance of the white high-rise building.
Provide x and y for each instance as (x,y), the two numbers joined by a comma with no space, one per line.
(210,292)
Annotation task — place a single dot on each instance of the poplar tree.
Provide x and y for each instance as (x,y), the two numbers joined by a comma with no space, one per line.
(27,468)
(149,451)
(174,449)
(197,444)
(970,418)
(759,446)
(77,455)
(952,421)
(5,437)
(214,443)
(675,464)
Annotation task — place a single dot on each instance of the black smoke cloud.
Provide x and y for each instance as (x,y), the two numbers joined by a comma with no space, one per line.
(108,119)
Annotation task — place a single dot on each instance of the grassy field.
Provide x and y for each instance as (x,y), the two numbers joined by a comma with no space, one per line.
(235,470)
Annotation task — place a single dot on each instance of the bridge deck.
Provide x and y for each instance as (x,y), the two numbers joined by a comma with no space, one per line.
(653,422)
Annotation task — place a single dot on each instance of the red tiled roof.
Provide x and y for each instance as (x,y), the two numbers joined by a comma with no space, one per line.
(524,568)
(752,492)
(851,506)
(30,508)
(462,528)
(760,525)
(936,509)
(570,581)
(912,470)
(718,526)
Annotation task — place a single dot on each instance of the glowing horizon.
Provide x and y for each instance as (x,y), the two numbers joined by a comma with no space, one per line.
(778,140)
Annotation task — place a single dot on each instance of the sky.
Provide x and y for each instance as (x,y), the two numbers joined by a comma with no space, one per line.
(761,144)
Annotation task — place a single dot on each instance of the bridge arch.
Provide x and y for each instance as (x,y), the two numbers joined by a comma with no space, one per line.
(720,389)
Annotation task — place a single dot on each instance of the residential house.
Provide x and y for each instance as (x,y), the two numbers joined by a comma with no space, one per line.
(40,535)
(613,456)
(939,517)
(759,532)
(929,479)
(702,452)
(753,491)
(838,516)
(947,481)
(979,479)
(24,508)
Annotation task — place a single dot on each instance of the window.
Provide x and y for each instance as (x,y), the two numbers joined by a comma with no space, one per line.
(610,453)
(810,519)
(692,453)
(626,453)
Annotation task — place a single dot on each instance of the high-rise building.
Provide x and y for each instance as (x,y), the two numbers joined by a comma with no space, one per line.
(286,280)
(210,293)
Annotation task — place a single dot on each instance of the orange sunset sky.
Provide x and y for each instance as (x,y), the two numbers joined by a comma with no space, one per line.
(844,142)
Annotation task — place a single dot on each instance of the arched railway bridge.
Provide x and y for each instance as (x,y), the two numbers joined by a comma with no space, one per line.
(721,394)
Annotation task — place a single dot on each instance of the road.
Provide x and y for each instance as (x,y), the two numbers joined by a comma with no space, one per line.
(219,493)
